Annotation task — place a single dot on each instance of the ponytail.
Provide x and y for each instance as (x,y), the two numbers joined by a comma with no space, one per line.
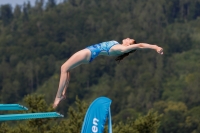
(121,57)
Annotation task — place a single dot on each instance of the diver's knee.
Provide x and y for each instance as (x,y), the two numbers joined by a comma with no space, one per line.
(64,68)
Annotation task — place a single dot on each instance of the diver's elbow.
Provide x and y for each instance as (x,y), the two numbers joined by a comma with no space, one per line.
(140,45)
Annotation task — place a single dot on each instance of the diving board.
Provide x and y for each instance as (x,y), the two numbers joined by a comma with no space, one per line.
(29,116)
(12,107)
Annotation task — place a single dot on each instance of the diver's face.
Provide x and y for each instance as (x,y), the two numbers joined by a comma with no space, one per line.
(128,41)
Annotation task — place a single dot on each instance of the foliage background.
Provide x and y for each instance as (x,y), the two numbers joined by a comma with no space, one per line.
(36,40)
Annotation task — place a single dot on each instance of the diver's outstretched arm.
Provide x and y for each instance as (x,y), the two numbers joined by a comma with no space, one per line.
(150,46)
(120,49)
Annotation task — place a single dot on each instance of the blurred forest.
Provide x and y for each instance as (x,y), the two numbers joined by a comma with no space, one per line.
(36,40)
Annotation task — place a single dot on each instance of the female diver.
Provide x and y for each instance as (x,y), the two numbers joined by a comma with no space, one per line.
(87,55)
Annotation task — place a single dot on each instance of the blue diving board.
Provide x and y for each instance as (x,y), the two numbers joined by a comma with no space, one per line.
(29,116)
(12,107)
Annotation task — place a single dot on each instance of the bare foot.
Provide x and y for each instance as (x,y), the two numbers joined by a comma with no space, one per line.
(57,101)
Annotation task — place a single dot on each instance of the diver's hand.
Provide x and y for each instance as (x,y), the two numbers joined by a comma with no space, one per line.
(160,50)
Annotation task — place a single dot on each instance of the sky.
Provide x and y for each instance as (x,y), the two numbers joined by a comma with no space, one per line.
(20,2)
(15,2)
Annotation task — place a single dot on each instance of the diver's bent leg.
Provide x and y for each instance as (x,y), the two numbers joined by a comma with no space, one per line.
(77,59)
(67,84)
(62,83)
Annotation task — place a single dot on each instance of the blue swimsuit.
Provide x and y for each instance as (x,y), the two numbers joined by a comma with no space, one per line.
(97,48)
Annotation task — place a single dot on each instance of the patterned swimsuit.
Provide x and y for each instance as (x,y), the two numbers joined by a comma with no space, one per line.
(97,48)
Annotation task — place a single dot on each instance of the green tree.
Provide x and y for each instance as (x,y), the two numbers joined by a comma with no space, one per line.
(6,14)
(143,124)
